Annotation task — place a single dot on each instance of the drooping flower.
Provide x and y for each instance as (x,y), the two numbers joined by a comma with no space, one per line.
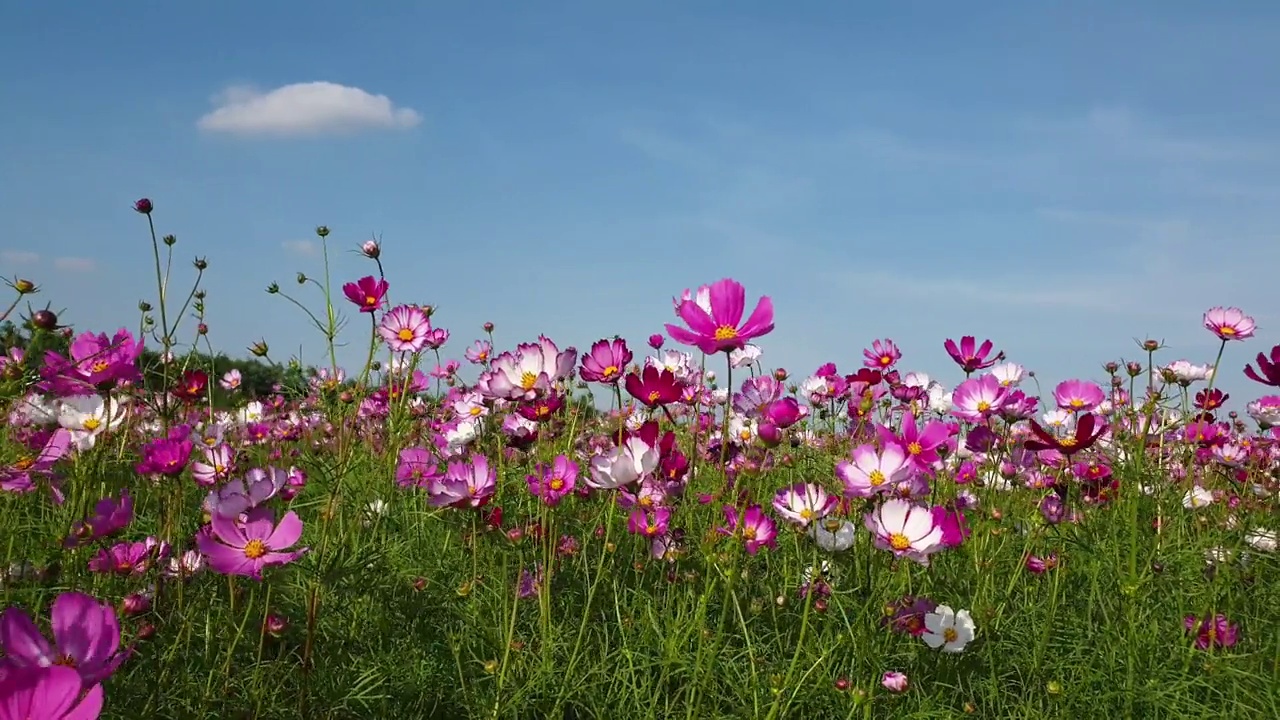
(905,529)
(948,629)
(48,693)
(245,548)
(21,477)
(717,326)
(405,328)
(970,356)
(606,362)
(1229,323)
(86,638)
(368,293)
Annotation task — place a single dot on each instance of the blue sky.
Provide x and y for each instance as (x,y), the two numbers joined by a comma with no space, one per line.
(1060,180)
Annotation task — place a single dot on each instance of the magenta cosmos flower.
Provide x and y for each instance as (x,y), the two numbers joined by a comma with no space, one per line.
(752,525)
(1229,323)
(86,638)
(245,548)
(717,326)
(464,484)
(654,387)
(405,329)
(368,293)
(606,362)
(552,482)
(921,444)
(48,693)
(970,356)
(1268,372)
(882,355)
(1078,395)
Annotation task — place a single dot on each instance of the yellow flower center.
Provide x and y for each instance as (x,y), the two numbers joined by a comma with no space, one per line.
(556,484)
(726,332)
(914,448)
(653,396)
(983,406)
(91,424)
(651,529)
(806,514)
(24,463)
(219,469)
(899,542)
(749,532)
(475,410)
(1227,330)
(100,366)
(1077,403)
(949,634)
(1067,442)
(65,661)
(370,300)
(405,334)
(528,380)
(255,549)
(876,478)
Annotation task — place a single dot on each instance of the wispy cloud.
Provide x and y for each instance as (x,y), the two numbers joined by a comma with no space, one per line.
(306,248)
(304,109)
(74,264)
(19,257)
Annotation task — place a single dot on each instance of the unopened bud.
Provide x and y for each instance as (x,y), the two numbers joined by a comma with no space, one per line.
(322,231)
(371,249)
(24,287)
(170,240)
(201,264)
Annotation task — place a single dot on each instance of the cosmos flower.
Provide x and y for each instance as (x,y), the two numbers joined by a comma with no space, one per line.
(405,328)
(1229,323)
(236,547)
(606,362)
(368,293)
(717,325)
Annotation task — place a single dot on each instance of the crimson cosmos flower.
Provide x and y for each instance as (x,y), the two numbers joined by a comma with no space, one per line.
(1088,429)
(654,387)
(1268,372)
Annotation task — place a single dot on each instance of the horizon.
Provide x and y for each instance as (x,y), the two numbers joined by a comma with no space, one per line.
(1067,180)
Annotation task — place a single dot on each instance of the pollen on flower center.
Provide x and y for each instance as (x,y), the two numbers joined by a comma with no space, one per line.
(1067,442)
(1077,403)
(528,380)
(405,334)
(255,549)
(899,542)
(886,360)
(91,424)
(475,410)
(726,332)
(610,371)
(1227,330)
(65,661)
(749,532)
(24,464)
(653,396)
(651,529)
(556,484)
(914,448)
(949,634)
(875,477)
(99,366)
(983,406)
(807,514)
(370,300)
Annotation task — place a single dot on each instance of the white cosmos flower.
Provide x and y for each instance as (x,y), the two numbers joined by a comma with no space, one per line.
(833,534)
(947,629)
(88,416)
(625,464)
(746,355)
(1196,498)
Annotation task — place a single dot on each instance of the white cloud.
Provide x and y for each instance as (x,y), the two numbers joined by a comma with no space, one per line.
(20,257)
(300,247)
(74,264)
(314,108)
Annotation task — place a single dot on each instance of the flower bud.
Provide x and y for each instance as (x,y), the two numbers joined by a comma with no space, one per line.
(371,249)
(322,231)
(143,206)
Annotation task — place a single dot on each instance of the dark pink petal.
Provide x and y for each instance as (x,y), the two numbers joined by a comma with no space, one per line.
(728,301)
(761,320)
(21,639)
(683,336)
(696,318)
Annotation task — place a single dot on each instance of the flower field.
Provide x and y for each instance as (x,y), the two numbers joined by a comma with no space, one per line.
(657,527)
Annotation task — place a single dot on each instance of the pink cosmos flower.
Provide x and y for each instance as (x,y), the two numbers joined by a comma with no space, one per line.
(21,477)
(218,463)
(368,293)
(92,360)
(606,362)
(970,356)
(649,523)
(1078,395)
(245,548)
(872,471)
(804,503)
(404,328)
(977,399)
(905,529)
(86,638)
(109,517)
(464,484)
(882,355)
(894,681)
(718,326)
(48,693)
(1212,632)
(231,380)
(530,371)
(479,352)
(1229,323)
(130,558)
(554,481)
(752,525)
